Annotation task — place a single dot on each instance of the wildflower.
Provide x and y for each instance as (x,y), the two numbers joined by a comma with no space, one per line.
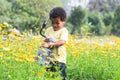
(1,54)
(0,28)
(1,46)
(33,71)
(76,54)
(51,75)
(6,49)
(39,74)
(9,76)
(5,24)
(19,60)
(1,25)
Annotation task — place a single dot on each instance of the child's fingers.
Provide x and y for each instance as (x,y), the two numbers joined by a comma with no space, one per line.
(46,40)
(45,45)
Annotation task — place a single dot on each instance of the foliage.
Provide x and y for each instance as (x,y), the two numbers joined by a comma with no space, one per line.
(4,28)
(85,29)
(116,22)
(96,22)
(108,21)
(69,26)
(108,18)
(107,8)
(26,14)
(77,18)
(103,6)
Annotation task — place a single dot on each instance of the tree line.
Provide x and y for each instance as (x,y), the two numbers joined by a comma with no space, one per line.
(83,21)
(26,14)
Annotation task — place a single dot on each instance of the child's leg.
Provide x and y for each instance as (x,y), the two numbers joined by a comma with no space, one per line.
(60,66)
(39,54)
(52,67)
(63,70)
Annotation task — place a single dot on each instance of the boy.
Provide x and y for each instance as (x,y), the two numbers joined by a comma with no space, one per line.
(58,32)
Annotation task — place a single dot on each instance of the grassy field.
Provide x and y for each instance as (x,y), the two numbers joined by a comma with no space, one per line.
(89,58)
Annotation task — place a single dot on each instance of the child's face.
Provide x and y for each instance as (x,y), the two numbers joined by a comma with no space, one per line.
(57,24)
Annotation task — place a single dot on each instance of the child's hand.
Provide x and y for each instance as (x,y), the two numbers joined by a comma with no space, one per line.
(45,44)
(47,40)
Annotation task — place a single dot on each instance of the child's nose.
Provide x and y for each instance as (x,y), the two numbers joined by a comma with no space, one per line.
(54,25)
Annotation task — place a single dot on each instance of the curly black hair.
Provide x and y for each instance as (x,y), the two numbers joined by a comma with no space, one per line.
(58,12)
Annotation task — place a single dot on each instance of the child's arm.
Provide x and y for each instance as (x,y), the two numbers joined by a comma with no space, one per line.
(63,40)
(58,43)
(54,44)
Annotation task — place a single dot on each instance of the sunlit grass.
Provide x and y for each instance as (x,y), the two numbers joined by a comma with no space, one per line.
(94,58)
(89,58)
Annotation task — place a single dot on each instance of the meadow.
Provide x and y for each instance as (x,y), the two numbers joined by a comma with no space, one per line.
(88,58)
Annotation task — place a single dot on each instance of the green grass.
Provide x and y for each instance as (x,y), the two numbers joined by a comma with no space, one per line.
(84,61)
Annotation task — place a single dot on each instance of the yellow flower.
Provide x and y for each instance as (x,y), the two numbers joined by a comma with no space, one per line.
(5,24)
(51,74)
(4,32)
(1,54)
(1,25)
(23,56)
(39,73)
(76,54)
(1,46)
(30,59)
(0,28)
(19,60)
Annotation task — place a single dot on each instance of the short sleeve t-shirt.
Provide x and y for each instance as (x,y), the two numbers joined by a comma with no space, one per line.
(61,34)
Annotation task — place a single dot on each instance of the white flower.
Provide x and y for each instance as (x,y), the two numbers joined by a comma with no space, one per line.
(6,49)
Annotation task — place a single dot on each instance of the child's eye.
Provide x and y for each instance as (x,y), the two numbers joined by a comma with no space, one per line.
(56,23)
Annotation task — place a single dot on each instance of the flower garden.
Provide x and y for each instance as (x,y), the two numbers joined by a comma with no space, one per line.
(89,58)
